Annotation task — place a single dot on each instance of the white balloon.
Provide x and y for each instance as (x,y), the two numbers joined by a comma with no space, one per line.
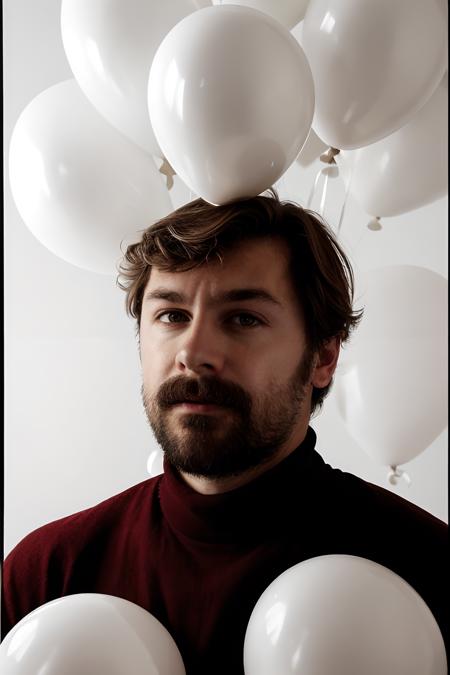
(80,186)
(408,168)
(231,100)
(110,45)
(314,146)
(342,615)
(90,633)
(287,12)
(392,395)
(374,64)
(155,463)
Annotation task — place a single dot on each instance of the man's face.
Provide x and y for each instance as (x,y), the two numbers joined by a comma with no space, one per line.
(226,370)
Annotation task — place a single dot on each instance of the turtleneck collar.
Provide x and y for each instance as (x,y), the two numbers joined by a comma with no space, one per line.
(257,506)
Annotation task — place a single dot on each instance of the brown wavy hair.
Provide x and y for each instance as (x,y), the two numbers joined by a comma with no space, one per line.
(199,232)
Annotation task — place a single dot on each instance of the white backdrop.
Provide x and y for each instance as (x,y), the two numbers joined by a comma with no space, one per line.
(75,429)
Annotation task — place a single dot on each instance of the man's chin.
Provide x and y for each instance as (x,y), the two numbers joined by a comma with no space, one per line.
(209,446)
(204,467)
(213,468)
(213,454)
(200,451)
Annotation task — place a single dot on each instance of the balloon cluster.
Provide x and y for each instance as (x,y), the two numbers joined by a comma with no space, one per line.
(330,615)
(227,98)
(231,104)
(224,96)
(381,97)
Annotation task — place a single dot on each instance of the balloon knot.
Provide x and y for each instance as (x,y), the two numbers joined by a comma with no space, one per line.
(329,155)
(374,224)
(167,170)
(395,474)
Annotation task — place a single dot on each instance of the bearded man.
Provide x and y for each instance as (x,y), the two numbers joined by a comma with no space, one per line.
(241,310)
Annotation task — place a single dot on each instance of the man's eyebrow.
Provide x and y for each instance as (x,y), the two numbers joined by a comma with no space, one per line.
(164,294)
(234,295)
(238,294)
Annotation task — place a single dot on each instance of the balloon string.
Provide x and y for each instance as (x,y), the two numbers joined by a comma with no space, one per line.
(313,189)
(324,195)
(395,474)
(328,159)
(344,204)
(324,172)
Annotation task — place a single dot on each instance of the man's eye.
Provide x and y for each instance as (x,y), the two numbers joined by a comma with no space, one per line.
(246,320)
(171,317)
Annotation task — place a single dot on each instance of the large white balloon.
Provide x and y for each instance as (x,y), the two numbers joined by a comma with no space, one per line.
(80,186)
(374,64)
(392,395)
(231,100)
(110,45)
(287,12)
(342,615)
(87,634)
(408,168)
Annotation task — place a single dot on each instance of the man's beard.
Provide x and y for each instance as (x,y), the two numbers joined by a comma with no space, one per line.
(228,443)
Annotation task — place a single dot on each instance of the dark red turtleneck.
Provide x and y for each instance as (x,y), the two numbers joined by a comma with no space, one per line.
(199,563)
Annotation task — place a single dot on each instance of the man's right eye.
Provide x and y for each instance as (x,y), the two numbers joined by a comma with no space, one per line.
(172,316)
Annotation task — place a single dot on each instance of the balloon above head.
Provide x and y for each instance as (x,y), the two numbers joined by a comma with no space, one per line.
(231,100)
(374,64)
(342,615)
(110,45)
(80,186)
(90,633)
(407,169)
(287,12)
(393,394)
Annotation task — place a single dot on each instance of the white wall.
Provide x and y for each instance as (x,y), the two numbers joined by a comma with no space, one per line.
(75,429)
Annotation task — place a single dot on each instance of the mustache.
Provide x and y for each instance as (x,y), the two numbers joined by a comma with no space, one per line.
(179,389)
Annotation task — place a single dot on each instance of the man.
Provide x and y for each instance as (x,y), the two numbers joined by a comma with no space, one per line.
(241,310)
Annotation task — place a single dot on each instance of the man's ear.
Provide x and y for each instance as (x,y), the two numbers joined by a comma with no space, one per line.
(326,362)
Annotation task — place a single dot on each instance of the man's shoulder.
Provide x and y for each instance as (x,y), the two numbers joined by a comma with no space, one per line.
(380,506)
(75,530)
(71,554)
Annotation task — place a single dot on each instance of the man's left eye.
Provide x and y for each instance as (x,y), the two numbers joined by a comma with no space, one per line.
(172,316)
(246,320)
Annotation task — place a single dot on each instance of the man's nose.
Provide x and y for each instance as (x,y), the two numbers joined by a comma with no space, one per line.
(201,350)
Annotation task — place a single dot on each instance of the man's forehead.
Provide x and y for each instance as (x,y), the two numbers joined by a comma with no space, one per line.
(258,272)
(261,263)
